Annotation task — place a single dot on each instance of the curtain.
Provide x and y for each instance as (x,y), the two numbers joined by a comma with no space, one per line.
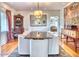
(9,34)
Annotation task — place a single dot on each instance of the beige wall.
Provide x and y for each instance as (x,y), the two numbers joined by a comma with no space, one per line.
(61,19)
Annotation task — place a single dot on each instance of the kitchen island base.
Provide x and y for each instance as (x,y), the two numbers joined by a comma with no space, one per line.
(39,48)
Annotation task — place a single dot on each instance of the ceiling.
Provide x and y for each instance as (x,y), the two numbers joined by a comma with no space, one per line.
(33,5)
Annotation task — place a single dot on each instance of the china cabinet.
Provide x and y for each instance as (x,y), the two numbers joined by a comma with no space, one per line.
(71,23)
(18,25)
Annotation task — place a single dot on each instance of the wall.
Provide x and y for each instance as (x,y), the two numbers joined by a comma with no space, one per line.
(27,18)
(62,19)
(3,7)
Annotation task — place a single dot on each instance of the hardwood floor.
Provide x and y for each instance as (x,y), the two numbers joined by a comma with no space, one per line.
(8,48)
(69,48)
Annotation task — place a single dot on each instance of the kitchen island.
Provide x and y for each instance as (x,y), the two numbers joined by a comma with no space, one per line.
(38,43)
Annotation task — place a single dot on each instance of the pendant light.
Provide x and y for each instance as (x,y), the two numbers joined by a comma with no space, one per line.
(38,13)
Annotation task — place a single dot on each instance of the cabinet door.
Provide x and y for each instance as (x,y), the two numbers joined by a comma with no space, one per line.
(54,45)
(39,48)
(23,46)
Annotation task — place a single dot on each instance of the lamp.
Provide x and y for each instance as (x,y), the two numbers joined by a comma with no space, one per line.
(38,13)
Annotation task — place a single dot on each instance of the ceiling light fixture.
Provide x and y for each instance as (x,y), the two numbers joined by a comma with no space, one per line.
(38,13)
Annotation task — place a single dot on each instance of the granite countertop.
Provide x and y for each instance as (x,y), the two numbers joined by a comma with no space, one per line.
(38,35)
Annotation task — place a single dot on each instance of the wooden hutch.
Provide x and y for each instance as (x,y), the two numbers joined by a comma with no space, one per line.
(18,25)
(71,24)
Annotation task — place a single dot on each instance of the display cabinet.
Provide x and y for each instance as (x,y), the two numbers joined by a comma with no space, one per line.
(71,15)
(18,25)
(71,23)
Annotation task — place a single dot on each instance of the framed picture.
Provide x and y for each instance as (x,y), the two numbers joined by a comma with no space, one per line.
(38,21)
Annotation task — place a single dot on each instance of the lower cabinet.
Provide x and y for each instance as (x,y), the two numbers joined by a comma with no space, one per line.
(39,48)
(54,46)
(23,45)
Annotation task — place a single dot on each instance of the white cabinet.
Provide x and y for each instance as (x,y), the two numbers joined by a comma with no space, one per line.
(23,45)
(54,42)
(54,45)
(39,48)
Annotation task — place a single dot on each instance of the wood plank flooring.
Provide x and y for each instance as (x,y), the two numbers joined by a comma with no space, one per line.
(69,48)
(8,48)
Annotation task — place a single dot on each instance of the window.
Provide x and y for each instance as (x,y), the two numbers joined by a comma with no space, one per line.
(4,22)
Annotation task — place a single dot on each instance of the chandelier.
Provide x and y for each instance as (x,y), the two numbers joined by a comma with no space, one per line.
(38,13)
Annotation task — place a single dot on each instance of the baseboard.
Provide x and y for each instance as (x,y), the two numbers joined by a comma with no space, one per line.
(49,55)
(26,55)
(53,55)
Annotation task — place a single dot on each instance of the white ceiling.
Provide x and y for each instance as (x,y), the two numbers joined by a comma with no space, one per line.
(33,5)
